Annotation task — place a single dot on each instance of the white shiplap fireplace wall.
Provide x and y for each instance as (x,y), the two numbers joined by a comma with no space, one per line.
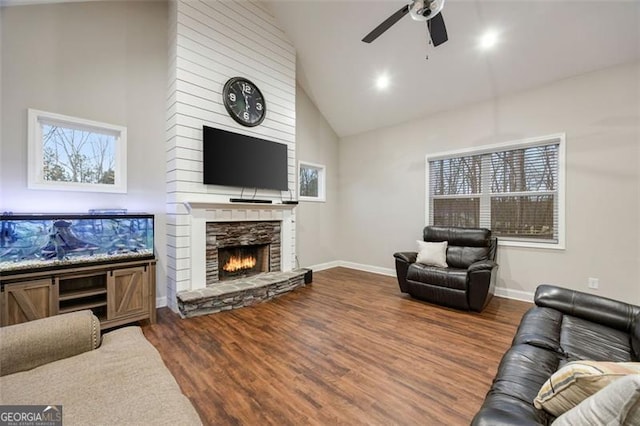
(210,42)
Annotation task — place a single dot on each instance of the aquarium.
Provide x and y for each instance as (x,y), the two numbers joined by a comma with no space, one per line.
(41,241)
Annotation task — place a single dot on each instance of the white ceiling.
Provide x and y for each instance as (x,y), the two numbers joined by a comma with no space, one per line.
(541,41)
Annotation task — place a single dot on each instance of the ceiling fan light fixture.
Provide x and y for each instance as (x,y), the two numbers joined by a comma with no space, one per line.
(416,9)
(422,10)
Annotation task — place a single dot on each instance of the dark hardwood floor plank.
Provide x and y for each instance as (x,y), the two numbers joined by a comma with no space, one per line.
(348,349)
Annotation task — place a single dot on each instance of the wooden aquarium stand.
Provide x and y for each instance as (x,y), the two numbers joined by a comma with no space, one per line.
(117,293)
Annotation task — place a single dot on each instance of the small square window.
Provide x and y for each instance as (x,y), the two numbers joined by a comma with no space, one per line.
(73,154)
(311,180)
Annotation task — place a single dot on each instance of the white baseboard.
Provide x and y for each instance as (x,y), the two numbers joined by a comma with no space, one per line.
(368,268)
(352,265)
(161,302)
(323,266)
(524,296)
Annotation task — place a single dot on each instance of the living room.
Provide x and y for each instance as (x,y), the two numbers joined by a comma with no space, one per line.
(144,65)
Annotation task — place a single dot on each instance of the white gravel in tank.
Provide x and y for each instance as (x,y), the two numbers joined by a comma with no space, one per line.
(39,263)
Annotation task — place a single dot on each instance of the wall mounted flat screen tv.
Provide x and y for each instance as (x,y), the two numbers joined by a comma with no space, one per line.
(232,159)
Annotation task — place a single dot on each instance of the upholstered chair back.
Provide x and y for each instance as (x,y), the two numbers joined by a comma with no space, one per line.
(464,245)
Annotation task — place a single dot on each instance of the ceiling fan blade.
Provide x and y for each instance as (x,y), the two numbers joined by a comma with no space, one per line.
(437,29)
(377,32)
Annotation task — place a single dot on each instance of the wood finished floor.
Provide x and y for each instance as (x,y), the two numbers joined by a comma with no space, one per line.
(348,349)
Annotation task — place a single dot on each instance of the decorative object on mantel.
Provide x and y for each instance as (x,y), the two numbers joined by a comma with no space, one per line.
(244,101)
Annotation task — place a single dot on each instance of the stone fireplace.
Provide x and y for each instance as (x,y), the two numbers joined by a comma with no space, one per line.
(241,249)
(214,224)
(219,231)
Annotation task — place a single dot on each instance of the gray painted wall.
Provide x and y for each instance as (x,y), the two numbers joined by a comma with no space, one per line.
(382,183)
(102,61)
(317,222)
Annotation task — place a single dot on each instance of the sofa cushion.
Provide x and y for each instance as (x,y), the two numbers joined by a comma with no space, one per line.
(582,339)
(600,310)
(57,337)
(443,277)
(521,373)
(466,245)
(124,381)
(540,327)
(469,237)
(577,381)
(432,254)
(617,404)
(463,257)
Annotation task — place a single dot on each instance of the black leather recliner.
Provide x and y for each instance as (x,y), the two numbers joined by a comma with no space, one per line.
(469,280)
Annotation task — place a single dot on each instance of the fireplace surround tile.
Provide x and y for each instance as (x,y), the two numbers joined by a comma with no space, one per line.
(243,233)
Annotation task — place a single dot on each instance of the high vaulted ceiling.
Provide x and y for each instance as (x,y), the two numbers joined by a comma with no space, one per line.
(539,42)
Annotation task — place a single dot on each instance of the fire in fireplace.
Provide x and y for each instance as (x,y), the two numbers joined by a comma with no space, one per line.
(238,263)
(242,261)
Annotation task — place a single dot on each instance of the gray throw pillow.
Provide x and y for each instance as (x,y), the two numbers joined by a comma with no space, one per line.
(617,404)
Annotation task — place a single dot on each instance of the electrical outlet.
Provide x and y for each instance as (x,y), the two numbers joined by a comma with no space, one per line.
(593,283)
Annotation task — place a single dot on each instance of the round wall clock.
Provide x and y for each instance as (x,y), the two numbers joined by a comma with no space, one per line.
(244,101)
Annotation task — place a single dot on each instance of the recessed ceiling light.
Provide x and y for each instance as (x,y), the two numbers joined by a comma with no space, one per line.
(382,82)
(488,39)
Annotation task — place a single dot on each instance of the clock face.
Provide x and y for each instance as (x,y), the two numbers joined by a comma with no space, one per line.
(244,101)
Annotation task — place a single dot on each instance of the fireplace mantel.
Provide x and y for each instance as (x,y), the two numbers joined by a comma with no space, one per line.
(199,205)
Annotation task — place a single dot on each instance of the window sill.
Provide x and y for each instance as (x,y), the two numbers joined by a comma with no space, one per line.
(531,244)
(312,199)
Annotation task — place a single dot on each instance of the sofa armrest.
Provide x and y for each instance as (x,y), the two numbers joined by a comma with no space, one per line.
(404,259)
(31,344)
(598,309)
(482,283)
(482,265)
(407,256)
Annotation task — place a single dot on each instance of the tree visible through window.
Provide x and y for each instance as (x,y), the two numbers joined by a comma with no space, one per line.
(311,181)
(71,155)
(74,154)
(515,192)
(308,182)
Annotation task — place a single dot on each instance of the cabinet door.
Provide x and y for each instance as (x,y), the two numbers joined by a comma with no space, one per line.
(127,293)
(27,301)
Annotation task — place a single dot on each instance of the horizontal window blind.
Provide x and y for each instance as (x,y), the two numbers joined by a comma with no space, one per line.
(514,192)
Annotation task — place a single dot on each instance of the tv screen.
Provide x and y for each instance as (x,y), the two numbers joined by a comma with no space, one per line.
(233,159)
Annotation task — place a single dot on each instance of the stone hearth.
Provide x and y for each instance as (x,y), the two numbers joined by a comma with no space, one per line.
(238,293)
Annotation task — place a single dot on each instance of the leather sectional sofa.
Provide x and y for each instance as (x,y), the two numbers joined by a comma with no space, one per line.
(564,326)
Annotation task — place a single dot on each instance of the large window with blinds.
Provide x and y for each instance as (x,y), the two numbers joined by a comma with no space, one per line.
(515,189)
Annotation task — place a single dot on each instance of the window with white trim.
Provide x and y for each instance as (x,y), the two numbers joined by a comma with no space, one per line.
(515,189)
(74,154)
(311,180)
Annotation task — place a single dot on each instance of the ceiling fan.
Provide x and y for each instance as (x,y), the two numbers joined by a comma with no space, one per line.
(420,10)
